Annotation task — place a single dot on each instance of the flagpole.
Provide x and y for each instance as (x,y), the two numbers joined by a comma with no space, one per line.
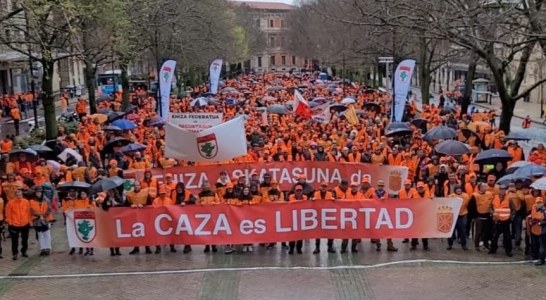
(393,74)
(343,75)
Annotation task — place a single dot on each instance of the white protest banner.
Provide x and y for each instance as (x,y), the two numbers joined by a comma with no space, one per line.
(195,122)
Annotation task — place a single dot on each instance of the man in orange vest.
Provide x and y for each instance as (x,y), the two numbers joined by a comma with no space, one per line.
(352,194)
(298,195)
(381,194)
(323,194)
(537,226)
(502,214)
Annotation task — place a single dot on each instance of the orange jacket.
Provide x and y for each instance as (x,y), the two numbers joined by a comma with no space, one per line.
(327,196)
(411,194)
(40,209)
(18,212)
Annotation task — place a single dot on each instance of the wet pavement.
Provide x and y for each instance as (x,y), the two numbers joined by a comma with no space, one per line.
(271,274)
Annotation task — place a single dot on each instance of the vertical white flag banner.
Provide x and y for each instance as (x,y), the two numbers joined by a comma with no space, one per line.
(402,81)
(214,71)
(166,74)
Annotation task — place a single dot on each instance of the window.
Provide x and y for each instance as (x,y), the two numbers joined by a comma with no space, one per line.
(272,60)
(283,60)
(293,60)
(259,61)
(282,42)
(258,23)
(282,23)
(305,62)
(271,41)
(271,25)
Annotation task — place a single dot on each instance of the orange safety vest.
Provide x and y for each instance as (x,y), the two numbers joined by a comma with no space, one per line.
(501,209)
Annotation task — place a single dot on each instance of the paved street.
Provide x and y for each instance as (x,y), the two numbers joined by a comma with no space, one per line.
(271,274)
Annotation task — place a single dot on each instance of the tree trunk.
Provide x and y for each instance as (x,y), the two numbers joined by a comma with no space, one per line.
(424,71)
(48,100)
(90,84)
(506,115)
(124,85)
(467,97)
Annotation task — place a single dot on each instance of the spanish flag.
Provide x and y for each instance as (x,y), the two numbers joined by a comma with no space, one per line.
(350,115)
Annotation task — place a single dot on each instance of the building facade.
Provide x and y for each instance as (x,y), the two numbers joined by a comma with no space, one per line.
(17,71)
(270,18)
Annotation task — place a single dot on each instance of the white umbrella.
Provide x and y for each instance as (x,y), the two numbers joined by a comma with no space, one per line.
(348,100)
(519,164)
(201,101)
(54,165)
(64,155)
(539,184)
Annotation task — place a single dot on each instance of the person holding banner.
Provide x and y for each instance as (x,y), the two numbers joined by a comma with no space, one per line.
(353,194)
(163,200)
(138,198)
(298,195)
(83,201)
(208,197)
(460,226)
(381,194)
(324,194)
(112,199)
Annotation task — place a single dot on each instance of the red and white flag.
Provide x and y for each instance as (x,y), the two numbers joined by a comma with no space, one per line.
(301,106)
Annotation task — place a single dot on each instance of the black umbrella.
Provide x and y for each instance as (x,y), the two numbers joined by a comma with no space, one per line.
(23,151)
(76,185)
(398,132)
(517,136)
(419,122)
(115,142)
(440,133)
(133,147)
(397,125)
(452,147)
(41,149)
(492,156)
(115,115)
(338,107)
(106,184)
(372,106)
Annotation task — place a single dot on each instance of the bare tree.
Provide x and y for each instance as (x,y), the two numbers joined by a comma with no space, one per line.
(48,36)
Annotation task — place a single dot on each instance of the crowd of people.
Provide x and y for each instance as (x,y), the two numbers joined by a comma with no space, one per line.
(35,186)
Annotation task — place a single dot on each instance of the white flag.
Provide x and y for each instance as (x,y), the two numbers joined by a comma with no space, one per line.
(214,71)
(166,74)
(402,80)
(321,113)
(219,143)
